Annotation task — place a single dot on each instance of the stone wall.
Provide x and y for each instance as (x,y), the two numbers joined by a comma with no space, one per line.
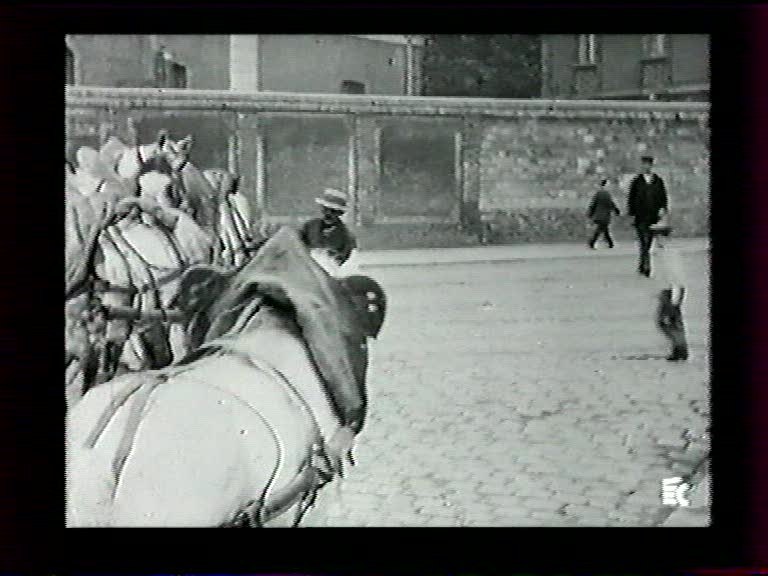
(420,171)
(538,175)
(302,155)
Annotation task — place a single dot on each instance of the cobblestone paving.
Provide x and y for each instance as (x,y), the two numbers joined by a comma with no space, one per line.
(525,394)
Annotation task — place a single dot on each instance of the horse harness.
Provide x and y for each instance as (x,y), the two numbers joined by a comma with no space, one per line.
(99,286)
(316,471)
(113,236)
(246,245)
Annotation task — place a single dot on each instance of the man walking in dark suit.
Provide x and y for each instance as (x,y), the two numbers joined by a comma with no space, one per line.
(601,208)
(647,201)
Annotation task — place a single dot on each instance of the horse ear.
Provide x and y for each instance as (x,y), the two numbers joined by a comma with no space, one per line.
(185,144)
(162,138)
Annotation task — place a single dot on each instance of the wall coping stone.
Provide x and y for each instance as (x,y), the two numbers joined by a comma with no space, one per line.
(235,101)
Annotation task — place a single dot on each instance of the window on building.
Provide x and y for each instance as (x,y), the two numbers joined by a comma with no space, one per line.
(178,76)
(352,87)
(587,48)
(168,73)
(69,67)
(655,45)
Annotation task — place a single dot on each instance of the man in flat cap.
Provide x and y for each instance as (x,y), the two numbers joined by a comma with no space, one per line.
(647,203)
(328,238)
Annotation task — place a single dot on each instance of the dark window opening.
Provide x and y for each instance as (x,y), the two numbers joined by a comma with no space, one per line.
(586,48)
(178,76)
(69,67)
(655,45)
(169,74)
(352,87)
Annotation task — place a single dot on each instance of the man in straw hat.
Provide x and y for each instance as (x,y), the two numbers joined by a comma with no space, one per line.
(328,238)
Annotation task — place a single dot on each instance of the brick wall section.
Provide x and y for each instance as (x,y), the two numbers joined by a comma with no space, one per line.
(538,175)
(522,170)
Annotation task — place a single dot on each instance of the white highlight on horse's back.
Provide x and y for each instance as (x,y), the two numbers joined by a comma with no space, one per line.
(287,352)
(189,466)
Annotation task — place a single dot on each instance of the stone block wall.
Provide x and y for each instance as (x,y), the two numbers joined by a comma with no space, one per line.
(421,172)
(538,175)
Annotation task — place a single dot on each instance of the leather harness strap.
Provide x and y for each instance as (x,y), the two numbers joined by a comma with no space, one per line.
(315,473)
(303,488)
(106,417)
(135,416)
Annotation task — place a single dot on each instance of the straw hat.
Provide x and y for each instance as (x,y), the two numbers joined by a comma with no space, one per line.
(334,199)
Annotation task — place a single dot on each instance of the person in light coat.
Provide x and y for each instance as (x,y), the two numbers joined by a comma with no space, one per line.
(671,284)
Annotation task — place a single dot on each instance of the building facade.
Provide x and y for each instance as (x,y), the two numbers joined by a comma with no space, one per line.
(625,66)
(309,63)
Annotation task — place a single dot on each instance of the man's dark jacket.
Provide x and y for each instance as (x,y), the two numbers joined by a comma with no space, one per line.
(645,200)
(317,234)
(602,207)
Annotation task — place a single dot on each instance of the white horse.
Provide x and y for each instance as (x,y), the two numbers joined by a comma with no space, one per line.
(148,251)
(243,429)
(141,257)
(194,192)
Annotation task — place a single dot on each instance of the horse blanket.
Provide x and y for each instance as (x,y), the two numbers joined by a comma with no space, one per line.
(284,273)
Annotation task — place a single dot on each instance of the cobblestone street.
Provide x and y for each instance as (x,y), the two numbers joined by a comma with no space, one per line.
(527,393)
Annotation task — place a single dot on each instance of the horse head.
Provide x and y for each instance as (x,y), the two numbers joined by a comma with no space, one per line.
(162,155)
(196,193)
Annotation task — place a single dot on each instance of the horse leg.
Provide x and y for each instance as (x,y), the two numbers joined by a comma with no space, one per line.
(328,503)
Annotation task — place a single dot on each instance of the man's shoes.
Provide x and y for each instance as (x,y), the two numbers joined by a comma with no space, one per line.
(610,245)
(678,355)
(591,246)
